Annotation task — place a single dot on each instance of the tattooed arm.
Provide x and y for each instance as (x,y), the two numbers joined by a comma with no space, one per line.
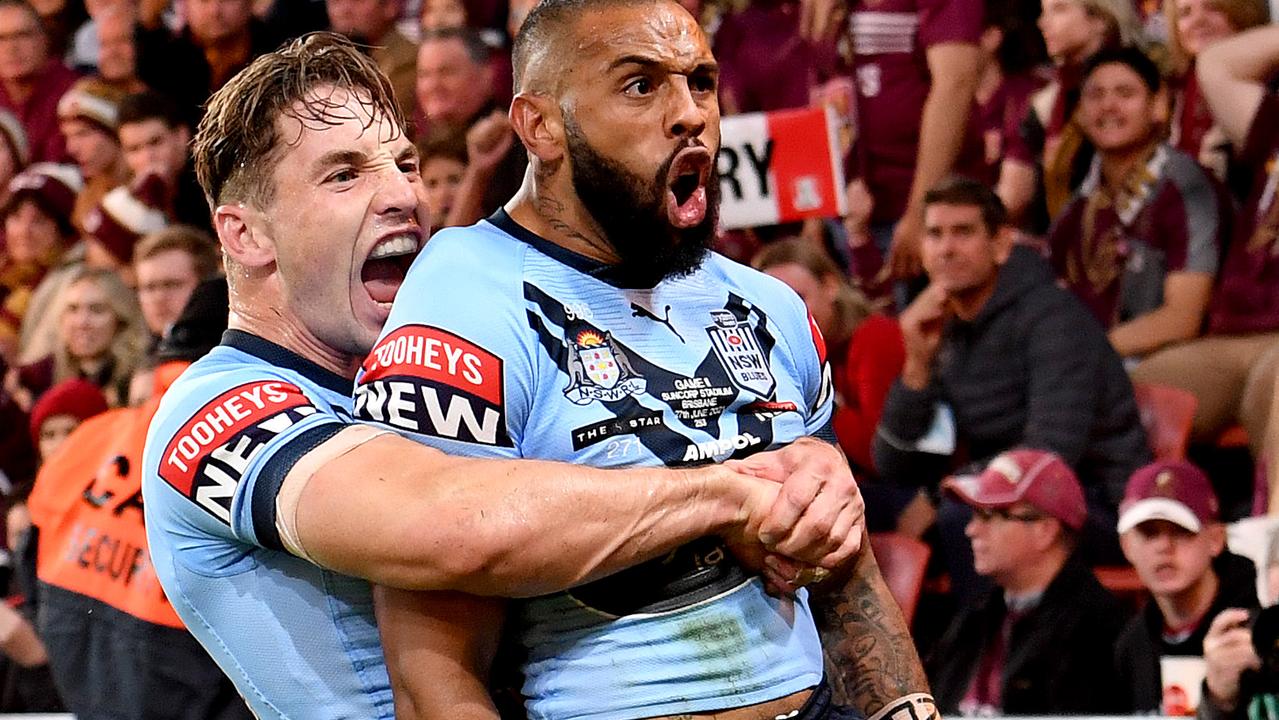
(871,658)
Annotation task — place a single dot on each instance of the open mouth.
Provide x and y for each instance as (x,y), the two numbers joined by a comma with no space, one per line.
(686,202)
(388,262)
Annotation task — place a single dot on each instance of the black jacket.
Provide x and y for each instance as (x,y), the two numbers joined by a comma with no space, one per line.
(1034,368)
(1141,643)
(1059,654)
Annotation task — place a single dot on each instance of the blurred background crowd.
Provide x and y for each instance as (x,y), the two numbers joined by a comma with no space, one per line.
(1052,311)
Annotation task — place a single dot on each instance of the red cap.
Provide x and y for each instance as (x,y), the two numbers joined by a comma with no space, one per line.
(1177,492)
(1037,477)
(79,398)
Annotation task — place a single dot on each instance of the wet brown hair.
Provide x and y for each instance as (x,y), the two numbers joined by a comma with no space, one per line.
(238,143)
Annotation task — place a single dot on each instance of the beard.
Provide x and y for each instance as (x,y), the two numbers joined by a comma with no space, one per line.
(631,210)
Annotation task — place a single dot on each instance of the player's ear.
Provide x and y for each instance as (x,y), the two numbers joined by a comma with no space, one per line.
(243,235)
(540,124)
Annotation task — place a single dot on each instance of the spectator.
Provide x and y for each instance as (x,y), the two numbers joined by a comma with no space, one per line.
(38,232)
(864,347)
(1232,369)
(1232,686)
(89,114)
(372,22)
(117,63)
(119,222)
(998,356)
(1171,531)
(169,264)
(60,19)
(98,340)
(1141,241)
(443,167)
(14,154)
(1194,25)
(220,38)
(83,49)
(31,82)
(1010,55)
(1049,156)
(455,98)
(440,14)
(61,410)
(154,137)
(755,81)
(912,116)
(115,644)
(1041,641)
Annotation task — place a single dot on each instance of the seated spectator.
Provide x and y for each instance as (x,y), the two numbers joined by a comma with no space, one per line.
(1011,52)
(372,23)
(1141,241)
(443,165)
(154,137)
(31,80)
(864,347)
(89,115)
(1194,25)
(999,356)
(1232,369)
(14,154)
(1041,641)
(99,340)
(1170,530)
(764,63)
(61,410)
(116,647)
(168,265)
(117,63)
(456,102)
(38,236)
(1233,687)
(123,217)
(440,14)
(1048,157)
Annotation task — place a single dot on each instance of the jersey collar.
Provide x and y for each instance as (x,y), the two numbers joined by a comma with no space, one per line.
(603,272)
(280,356)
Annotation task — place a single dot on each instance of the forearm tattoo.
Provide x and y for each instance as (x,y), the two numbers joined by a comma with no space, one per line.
(871,657)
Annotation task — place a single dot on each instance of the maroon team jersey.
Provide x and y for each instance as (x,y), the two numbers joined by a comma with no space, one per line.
(1115,250)
(1247,297)
(889,39)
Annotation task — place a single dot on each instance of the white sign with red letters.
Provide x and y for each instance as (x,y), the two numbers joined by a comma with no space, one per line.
(779,167)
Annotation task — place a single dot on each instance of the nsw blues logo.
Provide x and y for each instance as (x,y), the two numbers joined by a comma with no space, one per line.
(739,352)
(599,370)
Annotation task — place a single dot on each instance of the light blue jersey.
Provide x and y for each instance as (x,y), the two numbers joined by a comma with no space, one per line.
(502,344)
(297,640)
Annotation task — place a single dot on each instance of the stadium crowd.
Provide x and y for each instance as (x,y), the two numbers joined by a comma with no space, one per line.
(1052,208)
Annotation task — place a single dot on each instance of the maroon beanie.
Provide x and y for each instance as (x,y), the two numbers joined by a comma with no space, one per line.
(125,215)
(78,397)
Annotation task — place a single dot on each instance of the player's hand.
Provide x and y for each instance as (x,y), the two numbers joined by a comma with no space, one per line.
(488,141)
(903,255)
(817,515)
(1228,652)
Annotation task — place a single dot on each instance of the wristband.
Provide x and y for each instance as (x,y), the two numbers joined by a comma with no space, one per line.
(918,706)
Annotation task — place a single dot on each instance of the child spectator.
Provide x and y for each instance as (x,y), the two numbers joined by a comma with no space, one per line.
(442,168)
(1170,530)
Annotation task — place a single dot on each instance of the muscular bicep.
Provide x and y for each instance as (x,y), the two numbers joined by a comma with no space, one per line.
(439,647)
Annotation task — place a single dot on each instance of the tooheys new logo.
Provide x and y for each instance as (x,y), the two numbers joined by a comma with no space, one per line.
(207,458)
(429,381)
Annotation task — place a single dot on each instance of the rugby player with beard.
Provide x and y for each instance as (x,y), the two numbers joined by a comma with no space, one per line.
(621,341)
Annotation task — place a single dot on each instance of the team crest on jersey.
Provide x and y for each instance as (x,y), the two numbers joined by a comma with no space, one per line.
(739,352)
(599,370)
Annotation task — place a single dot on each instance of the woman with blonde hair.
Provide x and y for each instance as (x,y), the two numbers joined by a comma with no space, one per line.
(100,339)
(1192,26)
(1050,156)
(864,348)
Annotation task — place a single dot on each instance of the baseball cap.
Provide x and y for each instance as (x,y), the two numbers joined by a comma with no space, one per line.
(1038,477)
(1176,491)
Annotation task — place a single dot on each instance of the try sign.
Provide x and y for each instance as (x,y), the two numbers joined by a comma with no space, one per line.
(780,166)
